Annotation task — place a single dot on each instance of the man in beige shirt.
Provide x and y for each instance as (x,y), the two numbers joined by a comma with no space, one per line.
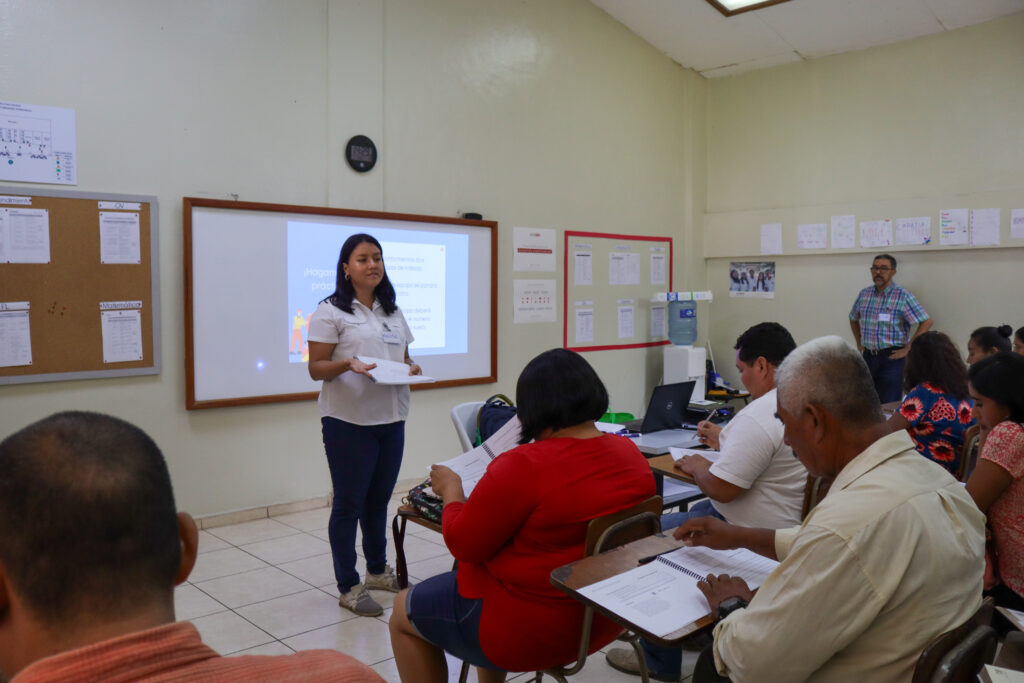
(892,557)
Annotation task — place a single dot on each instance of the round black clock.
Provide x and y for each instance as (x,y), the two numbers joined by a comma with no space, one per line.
(361,153)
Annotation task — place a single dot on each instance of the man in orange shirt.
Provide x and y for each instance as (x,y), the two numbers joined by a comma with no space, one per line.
(91,547)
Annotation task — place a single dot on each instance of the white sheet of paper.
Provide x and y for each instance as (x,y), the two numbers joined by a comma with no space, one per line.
(708,454)
(1017,224)
(15,336)
(472,465)
(811,236)
(625,322)
(393,372)
(658,321)
(584,325)
(623,268)
(583,267)
(953,224)
(657,269)
(771,238)
(534,301)
(122,335)
(119,237)
(673,487)
(608,427)
(42,139)
(844,235)
(985,225)
(25,234)
(913,231)
(533,249)
(876,233)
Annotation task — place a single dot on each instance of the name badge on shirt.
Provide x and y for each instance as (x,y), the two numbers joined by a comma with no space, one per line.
(388,335)
(885,317)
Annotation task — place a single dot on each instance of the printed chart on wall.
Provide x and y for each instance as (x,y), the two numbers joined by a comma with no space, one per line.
(37,144)
(752,279)
(610,284)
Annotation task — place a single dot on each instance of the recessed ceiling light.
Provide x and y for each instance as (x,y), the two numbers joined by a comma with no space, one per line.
(731,7)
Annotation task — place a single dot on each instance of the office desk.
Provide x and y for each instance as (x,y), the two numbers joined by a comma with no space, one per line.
(406,513)
(572,577)
(664,465)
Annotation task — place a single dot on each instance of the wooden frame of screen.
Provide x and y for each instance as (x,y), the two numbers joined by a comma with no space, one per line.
(187,205)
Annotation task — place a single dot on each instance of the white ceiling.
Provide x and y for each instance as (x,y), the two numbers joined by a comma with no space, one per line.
(694,34)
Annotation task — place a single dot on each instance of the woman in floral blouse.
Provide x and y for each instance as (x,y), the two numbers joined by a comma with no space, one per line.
(936,410)
(997,483)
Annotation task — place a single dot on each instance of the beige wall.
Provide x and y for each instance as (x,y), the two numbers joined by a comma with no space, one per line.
(541,114)
(895,131)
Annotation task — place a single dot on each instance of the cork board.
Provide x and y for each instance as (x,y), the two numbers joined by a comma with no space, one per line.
(80,281)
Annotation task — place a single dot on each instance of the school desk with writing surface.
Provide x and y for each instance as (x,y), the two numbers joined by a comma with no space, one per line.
(573,577)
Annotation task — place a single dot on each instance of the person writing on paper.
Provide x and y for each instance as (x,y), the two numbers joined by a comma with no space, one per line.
(527,516)
(754,482)
(880,320)
(890,558)
(363,423)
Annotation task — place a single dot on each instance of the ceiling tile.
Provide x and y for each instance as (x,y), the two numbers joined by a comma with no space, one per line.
(957,13)
(753,65)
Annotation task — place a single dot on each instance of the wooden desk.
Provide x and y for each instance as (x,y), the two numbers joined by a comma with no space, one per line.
(572,577)
(664,465)
(725,397)
(406,513)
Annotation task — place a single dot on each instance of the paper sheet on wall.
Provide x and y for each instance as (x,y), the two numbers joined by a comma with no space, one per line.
(1017,224)
(119,237)
(657,322)
(24,235)
(985,227)
(657,269)
(583,271)
(771,238)
(844,235)
(811,236)
(953,225)
(534,301)
(533,249)
(876,233)
(626,322)
(911,231)
(584,325)
(122,335)
(15,334)
(39,142)
(623,268)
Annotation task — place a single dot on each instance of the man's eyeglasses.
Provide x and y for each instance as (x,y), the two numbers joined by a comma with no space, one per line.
(880,269)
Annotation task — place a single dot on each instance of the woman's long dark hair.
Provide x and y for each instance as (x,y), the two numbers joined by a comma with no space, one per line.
(1000,378)
(933,358)
(344,292)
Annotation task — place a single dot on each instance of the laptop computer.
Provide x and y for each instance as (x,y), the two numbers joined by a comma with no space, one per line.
(667,408)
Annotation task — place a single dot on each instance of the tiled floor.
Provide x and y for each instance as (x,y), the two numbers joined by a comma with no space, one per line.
(267,587)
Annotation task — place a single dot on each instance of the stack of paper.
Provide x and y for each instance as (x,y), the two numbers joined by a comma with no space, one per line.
(471,465)
(392,372)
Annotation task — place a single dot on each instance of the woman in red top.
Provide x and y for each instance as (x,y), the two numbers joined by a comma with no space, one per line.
(527,516)
(997,483)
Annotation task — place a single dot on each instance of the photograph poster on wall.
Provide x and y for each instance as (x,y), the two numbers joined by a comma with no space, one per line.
(752,279)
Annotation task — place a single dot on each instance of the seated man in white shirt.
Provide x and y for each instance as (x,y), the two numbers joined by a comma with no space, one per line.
(890,558)
(755,481)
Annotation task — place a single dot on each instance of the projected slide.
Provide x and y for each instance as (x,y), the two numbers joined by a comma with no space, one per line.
(429,270)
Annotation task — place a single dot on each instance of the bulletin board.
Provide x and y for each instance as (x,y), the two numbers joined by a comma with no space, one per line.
(609,283)
(79,285)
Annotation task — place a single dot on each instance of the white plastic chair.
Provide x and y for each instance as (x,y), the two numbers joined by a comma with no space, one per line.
(464,419)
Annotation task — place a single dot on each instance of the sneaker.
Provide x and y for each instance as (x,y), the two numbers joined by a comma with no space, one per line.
(385,581)
(358,601)
(624,659)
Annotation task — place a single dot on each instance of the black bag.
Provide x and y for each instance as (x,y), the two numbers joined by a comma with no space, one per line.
(494,413)
(427,504)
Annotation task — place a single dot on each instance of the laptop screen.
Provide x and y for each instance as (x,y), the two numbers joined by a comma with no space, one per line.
(667,408)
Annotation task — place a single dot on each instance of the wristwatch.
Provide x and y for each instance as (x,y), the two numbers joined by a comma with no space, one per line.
(730,605)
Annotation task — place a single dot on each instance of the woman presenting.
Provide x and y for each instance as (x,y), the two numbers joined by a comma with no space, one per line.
(363,423)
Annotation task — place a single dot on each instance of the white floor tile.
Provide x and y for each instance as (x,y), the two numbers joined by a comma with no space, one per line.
(294,614)
(226,632)
(208,542)
(308,520)
(365,639)
(250,532)
(273,648)
(247,588)
(191,603)
(288,548)
(424,569)
(222,563)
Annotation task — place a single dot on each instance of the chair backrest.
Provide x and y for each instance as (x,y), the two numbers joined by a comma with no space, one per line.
(624,526)
(968,453)
(958,655)
(464,419)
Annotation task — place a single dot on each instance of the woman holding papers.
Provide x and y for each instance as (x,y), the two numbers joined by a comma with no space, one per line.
(526,516)
(363,423)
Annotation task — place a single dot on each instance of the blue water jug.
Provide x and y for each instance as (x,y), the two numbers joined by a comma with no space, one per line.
(682,322)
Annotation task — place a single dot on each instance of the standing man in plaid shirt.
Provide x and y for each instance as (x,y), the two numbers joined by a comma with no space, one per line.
(880,319)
